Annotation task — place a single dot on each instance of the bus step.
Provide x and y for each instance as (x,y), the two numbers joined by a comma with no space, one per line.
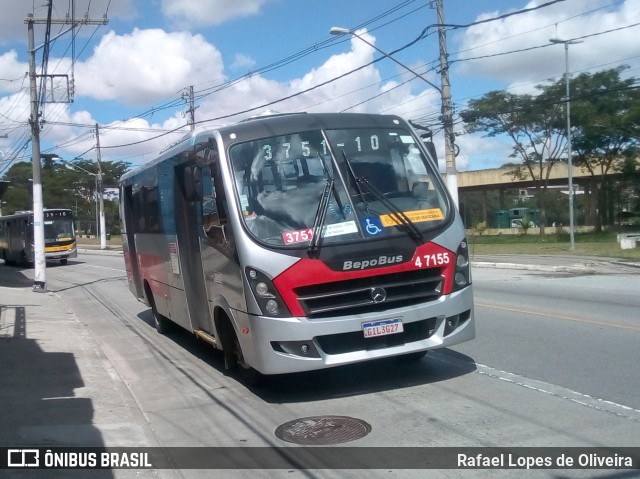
(207,337)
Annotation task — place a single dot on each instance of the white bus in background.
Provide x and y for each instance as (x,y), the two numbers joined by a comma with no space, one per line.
(301,241)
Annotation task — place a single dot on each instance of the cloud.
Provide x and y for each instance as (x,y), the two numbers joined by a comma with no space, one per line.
(190,13)
(12,73)
(247,94)
(146,66)
(242,62)
(521,32)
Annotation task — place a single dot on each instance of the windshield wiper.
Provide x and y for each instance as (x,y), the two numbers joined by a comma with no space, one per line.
(321,213)
(336,196)
(356,182)
(401,220)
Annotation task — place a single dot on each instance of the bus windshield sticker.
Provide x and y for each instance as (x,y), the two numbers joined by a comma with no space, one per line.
(298,236)
(244,202)
(338,229)
(304,235)
(371,226)
(416,216)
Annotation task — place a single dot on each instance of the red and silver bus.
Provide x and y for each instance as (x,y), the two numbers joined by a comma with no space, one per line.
(300,241)
(17,242)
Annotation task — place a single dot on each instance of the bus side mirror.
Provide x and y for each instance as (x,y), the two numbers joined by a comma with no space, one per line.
(431,149)
(192,181)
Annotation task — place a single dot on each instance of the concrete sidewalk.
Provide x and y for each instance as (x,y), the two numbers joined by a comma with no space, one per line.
(57,386)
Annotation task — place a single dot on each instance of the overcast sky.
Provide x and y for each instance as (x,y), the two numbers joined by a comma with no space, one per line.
(130,75)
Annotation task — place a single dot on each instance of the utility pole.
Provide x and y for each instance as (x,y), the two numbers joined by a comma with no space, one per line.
(447,108)
(40,274)
(100,193)
(188,95)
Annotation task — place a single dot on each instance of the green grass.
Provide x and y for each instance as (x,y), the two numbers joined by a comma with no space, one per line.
(114,241)
(586,244)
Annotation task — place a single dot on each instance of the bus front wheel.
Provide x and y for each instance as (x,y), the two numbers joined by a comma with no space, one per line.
(234,360)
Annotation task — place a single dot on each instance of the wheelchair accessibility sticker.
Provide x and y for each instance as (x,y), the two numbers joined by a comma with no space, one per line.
(371,226)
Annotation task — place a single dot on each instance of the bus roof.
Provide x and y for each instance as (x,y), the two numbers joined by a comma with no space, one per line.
(21,213)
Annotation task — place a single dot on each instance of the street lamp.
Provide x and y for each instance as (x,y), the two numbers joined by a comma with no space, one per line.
(569,153)
(100,223)
(445,94)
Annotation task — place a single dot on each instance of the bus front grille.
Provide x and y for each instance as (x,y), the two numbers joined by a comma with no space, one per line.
(371,294)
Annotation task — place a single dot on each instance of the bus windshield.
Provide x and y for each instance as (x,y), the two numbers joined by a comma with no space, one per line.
(58,229)
(381,185)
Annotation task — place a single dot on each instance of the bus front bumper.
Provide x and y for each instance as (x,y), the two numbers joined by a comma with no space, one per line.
(277,346)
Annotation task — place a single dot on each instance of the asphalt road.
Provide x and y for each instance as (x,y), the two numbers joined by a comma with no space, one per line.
(581,332)
(553,364)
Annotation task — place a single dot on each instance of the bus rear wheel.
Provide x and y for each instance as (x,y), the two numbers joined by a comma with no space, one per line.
(161,323)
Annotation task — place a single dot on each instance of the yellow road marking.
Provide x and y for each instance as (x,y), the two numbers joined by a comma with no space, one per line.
(559,316)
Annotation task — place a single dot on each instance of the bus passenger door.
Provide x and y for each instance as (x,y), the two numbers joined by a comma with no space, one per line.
(129,243)
(219,253)
(187,210)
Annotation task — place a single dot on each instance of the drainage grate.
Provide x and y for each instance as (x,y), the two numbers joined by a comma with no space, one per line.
(322,430)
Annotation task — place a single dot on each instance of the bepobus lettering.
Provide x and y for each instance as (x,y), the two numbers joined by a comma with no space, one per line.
(371,263)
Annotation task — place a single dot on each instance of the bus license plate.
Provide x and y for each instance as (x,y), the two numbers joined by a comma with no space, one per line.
(382,328)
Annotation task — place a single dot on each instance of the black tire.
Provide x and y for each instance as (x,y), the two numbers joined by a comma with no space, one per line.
(162,324)
(234,360)
(64,261)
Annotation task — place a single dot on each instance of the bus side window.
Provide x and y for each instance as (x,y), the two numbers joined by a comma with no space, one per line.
(214,204)
(210,216)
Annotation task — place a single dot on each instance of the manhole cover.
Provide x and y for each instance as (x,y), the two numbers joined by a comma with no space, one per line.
(323,430)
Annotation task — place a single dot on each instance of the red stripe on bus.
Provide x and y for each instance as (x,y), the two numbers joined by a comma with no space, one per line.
(307,272)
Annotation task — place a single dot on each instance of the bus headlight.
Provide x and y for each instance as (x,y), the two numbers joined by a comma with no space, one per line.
(462,274)
(266,294)
(263,290)
(272,307)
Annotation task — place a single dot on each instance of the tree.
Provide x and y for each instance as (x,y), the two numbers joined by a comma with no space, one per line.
(534,124)
(18,195)
(82,175)
(65,188)
(605,111)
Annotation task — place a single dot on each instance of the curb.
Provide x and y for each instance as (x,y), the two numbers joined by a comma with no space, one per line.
(99,251)
(535,267)
(628,263)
